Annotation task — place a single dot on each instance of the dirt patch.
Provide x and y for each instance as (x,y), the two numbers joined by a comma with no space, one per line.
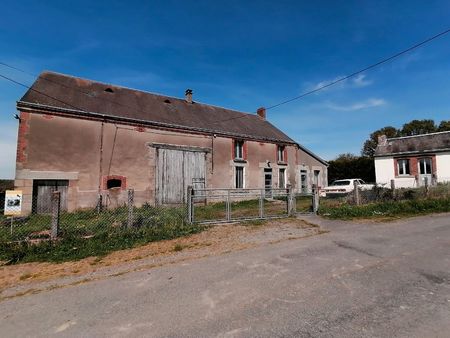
(218,239)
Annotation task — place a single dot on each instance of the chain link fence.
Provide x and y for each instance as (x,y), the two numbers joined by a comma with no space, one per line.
(52,222)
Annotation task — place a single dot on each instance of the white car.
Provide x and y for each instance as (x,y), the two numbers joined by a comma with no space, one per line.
(342,187)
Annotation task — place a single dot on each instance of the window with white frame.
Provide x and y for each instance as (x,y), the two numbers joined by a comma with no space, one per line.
(403,167)
(238,150)
(239,177)
(425,166)
(282,178)
(280,154)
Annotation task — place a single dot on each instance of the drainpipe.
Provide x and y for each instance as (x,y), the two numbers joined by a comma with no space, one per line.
(100,167)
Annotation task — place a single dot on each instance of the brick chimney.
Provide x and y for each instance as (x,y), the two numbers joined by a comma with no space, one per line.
(261,112)
(382,140)
(188,95)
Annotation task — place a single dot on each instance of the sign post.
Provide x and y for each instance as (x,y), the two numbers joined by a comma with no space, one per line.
(13,202)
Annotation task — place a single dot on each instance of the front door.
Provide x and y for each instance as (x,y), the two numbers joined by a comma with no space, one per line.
(425,170)
(268,182)
(304,181)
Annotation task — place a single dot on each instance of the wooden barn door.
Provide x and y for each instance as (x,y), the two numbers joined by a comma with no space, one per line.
(175,171)
(42,194)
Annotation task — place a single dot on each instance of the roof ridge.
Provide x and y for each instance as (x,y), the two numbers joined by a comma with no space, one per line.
(412,136)
(141,91)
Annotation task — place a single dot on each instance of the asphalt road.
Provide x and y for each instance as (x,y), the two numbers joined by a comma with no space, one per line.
(373,280)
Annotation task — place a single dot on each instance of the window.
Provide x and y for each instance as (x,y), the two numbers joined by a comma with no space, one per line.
(280,154)
(239,177)
(238,150)
(282,178)
(403,167)
(425,166)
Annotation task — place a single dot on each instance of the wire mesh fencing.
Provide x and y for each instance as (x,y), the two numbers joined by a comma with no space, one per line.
(49,221)
(230,205)
(430,190)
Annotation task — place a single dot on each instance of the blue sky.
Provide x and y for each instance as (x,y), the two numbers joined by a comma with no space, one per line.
(242,55)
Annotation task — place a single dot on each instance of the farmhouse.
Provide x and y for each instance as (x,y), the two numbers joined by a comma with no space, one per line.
(412,160)
(89,139)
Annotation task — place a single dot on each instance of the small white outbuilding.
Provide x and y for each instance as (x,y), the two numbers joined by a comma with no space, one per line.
(413,160)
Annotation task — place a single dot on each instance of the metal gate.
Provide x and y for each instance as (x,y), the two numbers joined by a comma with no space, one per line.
(232,205)
(175,171)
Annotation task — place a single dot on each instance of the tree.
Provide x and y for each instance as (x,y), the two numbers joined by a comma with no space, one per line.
(418,127)
(371,144)
(351,166)
(444,126)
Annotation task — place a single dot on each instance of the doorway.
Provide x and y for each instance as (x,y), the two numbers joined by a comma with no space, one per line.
(268,182)
(42,195)
(425,170)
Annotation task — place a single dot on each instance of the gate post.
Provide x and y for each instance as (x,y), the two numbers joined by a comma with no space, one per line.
(130,208)
(315,198)
(56,202)
(290,200)
(190,205)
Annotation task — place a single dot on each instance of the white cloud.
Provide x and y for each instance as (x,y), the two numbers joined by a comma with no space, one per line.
(361,81)
(8,141)
(326,82)
(358,81)
(369,103)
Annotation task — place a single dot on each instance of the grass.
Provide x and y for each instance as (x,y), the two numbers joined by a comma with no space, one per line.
(387,209)
(88,233)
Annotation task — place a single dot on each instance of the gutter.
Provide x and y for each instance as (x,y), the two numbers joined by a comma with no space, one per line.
(431,151)
(40,108)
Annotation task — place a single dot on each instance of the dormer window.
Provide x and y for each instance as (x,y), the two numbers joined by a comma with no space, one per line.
(281,154)
(238,150)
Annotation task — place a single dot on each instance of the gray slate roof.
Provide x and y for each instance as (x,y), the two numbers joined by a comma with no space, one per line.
(426,143)
(81,96)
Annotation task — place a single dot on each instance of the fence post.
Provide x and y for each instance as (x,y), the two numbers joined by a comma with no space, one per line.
(100,203)
(315,198)
(228,206)
(130,207)
(190,205)
(393,188)
(290,204)
(356,193)
(56,197)
(261,204)
(427,186)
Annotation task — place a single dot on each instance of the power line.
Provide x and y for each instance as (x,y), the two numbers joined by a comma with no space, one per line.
(38,91)
(68,87)
(390,58)
(383,61)
(362,70)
